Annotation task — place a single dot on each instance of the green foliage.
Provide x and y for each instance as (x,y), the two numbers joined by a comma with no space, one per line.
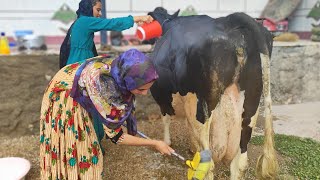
(315,31)
(304,154)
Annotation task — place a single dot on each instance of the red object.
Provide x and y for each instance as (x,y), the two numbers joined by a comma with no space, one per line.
(280,26)
(149,31)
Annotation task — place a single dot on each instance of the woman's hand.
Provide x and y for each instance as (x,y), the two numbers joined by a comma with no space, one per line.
(162,147)
(142,19)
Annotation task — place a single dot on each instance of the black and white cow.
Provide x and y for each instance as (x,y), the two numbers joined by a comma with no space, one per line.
(220,67)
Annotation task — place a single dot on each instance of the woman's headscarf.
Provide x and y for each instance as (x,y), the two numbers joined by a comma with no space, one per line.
(131,70)
(85,9)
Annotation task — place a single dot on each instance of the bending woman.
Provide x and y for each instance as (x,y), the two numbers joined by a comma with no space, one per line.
(69,147)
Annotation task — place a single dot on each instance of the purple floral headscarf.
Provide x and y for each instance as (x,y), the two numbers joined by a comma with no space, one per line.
(131,70)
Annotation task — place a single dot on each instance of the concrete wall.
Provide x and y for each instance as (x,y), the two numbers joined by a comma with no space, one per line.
(36,14)
(298,20)
(295,73)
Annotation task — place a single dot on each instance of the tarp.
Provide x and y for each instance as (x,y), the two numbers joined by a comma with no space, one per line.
(277,10)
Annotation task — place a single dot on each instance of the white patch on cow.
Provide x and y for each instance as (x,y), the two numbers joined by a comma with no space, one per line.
(239,165)
(254,119)
(166,128)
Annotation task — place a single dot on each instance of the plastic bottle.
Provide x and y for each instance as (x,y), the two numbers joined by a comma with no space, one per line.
(4,45)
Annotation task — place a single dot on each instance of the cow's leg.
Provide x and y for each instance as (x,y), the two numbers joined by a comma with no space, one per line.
(177,104)
(166,128)
(251,83)
(250,106)
(239,164)
(205,143)
(193,126)
(199,133)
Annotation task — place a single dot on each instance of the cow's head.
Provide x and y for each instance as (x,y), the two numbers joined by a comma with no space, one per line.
(161,15)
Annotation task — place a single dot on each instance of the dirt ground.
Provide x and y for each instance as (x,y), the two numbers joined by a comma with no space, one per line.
(136,163)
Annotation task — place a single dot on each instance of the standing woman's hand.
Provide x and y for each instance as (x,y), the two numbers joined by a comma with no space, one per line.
(142,19)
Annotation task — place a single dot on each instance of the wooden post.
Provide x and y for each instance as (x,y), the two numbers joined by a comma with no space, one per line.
(103,34)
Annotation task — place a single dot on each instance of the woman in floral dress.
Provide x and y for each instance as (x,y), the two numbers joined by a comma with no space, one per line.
(100,87)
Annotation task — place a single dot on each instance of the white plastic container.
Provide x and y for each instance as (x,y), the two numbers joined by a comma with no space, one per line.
(14,168)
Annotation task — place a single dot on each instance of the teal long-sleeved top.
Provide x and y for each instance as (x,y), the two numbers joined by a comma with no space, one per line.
(82,34)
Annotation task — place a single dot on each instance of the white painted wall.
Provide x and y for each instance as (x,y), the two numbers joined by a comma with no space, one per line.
(298,20)
(36,14)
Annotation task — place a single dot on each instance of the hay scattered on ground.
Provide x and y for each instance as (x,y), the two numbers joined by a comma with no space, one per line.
(135,163)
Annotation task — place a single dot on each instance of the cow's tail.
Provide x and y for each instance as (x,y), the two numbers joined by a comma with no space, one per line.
(267,165)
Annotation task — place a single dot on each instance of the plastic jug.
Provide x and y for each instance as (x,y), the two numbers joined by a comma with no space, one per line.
(4,45)
(149,31)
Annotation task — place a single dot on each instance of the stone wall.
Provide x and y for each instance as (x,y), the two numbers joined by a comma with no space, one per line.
(295,73)
(295,78)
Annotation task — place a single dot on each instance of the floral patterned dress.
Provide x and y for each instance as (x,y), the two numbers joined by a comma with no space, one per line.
(69,148)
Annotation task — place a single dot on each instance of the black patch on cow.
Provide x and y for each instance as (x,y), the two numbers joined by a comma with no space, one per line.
(198,54)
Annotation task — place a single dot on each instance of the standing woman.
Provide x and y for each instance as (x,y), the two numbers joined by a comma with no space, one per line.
(69,147)
(78,44)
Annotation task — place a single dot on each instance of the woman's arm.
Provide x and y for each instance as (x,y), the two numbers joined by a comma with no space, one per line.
(162,147)
(114,24)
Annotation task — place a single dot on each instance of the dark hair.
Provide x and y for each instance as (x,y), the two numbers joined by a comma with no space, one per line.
(94,2)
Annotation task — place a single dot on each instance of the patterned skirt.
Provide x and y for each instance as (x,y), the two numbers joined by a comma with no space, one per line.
(69,148)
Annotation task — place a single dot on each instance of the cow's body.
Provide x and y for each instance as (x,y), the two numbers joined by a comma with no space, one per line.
(214,60)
